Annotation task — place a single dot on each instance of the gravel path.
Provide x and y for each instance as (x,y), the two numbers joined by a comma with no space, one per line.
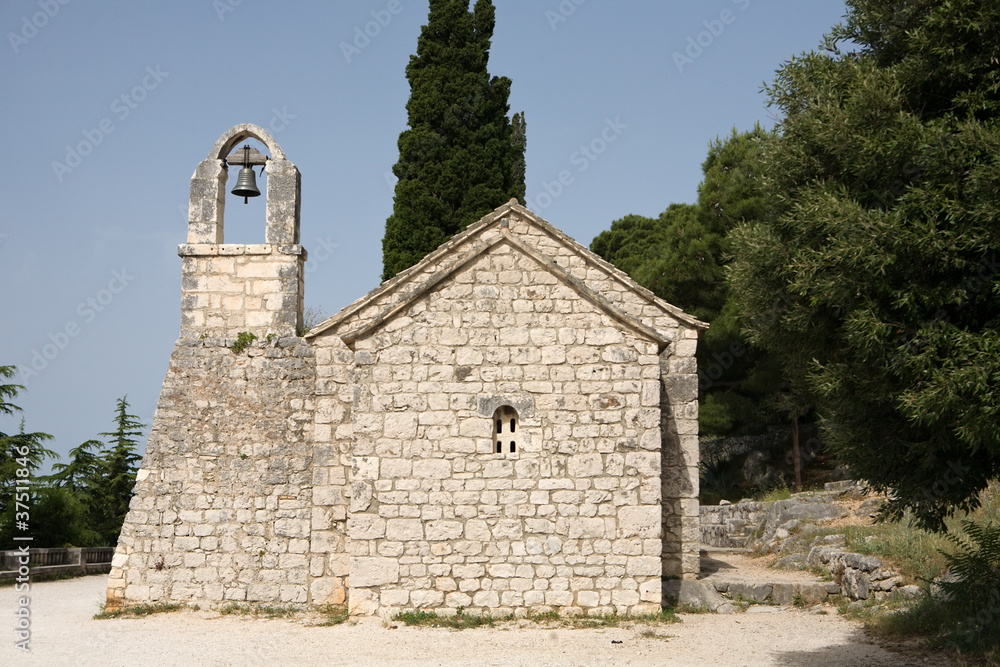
(64,633)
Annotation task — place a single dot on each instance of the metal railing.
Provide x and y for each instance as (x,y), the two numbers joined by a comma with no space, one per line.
(79,560)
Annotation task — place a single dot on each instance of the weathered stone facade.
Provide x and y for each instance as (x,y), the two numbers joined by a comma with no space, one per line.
(510,424)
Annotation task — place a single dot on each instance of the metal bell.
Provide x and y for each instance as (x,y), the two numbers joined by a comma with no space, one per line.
(246,184)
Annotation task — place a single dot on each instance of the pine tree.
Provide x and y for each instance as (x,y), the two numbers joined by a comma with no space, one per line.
(118,465)
(876,281)
(461,156)
(83,467)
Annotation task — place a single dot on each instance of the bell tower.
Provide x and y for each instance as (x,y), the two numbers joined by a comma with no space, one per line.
(230,288)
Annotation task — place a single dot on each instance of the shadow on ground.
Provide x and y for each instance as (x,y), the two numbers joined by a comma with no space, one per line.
(862,651)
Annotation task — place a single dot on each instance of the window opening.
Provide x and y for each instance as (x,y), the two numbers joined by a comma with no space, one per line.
(505,414)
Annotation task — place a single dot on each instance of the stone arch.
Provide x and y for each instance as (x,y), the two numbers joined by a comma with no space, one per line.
(237,133)
(206,210)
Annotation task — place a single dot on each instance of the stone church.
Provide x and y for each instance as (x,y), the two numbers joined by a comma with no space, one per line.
(509,425)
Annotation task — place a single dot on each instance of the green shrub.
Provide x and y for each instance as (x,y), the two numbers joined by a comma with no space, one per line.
(974,595)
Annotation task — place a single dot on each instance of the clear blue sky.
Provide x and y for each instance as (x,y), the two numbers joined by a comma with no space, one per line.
(109,106)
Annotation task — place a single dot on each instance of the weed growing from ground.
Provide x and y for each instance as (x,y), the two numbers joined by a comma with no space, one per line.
(463,621)
(139,610)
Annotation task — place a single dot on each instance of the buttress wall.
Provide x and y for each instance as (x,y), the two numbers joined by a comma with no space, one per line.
(223,501)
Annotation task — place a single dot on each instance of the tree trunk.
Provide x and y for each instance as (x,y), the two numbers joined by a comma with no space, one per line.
(796,454)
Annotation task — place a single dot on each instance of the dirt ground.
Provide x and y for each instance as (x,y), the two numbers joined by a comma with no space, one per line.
(63,632)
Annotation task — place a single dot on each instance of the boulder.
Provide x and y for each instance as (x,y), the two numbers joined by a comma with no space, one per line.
(696,594)
(856,584)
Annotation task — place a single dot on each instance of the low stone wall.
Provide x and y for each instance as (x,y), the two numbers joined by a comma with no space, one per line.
(731,526)
(861,577)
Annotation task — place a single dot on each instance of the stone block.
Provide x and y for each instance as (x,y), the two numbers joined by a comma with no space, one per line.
(365,527)
(639,521)
(583,527)
(585,465)
(404,530)
(638,566)
(750,592)
(432,469)
(444,530)
(373,571)
(508,529)
(394,598)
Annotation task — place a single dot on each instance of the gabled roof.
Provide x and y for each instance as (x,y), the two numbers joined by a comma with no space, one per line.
(467,246)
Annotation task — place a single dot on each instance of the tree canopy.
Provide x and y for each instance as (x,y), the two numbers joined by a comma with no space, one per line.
(681,257)
(876,281)
(461,155)
(83,502)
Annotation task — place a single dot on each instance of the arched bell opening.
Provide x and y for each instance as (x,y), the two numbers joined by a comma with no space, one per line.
(246,166)
(213,181)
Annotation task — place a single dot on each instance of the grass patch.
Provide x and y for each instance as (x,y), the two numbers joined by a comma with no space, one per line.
(775,494)
(259,610)
(463,621)
(916,553)
(139,610)
(968,623)
(692,609)
(333,615)
(457,621)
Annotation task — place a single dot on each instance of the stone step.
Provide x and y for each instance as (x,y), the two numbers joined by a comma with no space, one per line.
(779,593)
(719,596)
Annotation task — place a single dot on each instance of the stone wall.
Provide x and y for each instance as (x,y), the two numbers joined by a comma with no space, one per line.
(230,288)
(332,441)
(732,526)
(678,369)
(223,500)
(360,465)
(571,519)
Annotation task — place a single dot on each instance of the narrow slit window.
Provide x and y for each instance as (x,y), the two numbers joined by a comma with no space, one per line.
(505,415)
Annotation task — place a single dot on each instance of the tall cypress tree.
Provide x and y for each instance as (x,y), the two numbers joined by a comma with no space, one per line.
(461,156)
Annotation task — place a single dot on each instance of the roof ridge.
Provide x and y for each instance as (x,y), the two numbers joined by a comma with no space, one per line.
(548,263)
(511,206)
